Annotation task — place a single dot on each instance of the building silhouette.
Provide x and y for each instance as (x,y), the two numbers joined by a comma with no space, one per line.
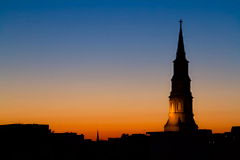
(180,116)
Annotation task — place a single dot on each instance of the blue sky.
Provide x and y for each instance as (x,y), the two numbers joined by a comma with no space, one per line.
(108,29)
(117,34)
(129,42)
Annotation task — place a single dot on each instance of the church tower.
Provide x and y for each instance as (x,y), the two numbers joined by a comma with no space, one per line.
(180,118)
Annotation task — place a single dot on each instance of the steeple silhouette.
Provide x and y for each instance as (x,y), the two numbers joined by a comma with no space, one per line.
(97,136)
(180,50)
(180,118)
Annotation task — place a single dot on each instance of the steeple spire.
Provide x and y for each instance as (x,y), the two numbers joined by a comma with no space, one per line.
(180,50)
(97,136)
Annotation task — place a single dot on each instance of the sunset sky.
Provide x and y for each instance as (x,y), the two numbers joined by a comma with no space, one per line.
(83,65)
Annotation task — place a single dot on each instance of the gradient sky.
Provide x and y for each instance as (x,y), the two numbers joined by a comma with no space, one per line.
(79,65)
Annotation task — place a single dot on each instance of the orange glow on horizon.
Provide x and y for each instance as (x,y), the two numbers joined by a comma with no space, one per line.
(139,106)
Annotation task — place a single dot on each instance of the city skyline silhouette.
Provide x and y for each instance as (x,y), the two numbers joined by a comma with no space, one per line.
(79,66)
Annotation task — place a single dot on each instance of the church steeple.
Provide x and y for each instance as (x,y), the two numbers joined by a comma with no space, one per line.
(97,136)
(180,118)
(180,50)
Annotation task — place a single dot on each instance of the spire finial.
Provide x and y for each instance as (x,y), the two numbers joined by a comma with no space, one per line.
(180,23)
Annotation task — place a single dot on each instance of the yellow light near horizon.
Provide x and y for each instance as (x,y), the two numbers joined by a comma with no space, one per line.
(113,108)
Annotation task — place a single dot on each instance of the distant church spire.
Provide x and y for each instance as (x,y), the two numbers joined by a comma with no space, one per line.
(97,136)
(180,50)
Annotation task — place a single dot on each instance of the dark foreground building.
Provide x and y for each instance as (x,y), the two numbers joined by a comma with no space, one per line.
(21,142)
